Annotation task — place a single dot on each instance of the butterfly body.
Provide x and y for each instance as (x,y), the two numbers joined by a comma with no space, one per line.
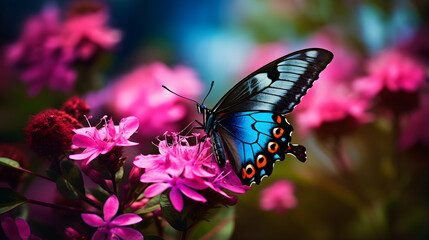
(248,127)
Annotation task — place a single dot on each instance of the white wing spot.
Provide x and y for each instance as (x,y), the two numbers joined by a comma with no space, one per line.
(312,54)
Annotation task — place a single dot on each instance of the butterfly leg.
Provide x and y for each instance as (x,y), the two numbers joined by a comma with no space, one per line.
(192,128)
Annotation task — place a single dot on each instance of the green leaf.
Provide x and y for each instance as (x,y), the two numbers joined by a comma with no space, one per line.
(9,162)
(173,217)
(119,174)
(220,226)
(52,173)
(9,199)
(70,184)
(99,194)
(150,206)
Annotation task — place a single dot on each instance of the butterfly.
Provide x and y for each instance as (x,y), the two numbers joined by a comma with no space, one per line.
(248,125)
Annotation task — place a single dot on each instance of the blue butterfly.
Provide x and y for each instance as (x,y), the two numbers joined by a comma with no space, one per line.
(247,126)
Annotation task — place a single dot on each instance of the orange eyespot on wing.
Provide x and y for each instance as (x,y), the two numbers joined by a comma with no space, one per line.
(248,172)
(273,147)
(261,161)
(278,132)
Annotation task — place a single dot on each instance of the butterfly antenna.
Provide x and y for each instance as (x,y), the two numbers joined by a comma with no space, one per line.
(179,95)
(211,87)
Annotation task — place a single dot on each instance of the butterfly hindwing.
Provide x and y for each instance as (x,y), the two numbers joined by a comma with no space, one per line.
(278,86)
(253,142)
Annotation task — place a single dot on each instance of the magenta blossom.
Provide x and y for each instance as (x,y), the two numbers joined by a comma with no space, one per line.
(101,141)
(38,57)
(140,93)
(278,197)
(17,230)
(184,169)
(332,99)
(83,35)
(113,228)
(391,70)
(48,48)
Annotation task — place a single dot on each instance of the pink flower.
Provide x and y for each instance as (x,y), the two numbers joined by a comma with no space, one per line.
(40,62)
(226,179)
(332,97)
(278,197)
(330,101)
(416,128)
(185,168)
(178,185)
(17,230)
(391,70)
(140,93)
(83,35)
(101,141)
(113,228)
(48,48)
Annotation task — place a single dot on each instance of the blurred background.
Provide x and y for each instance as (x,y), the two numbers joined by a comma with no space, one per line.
(364,123)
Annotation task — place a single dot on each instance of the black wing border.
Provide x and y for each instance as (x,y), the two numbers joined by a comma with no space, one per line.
(329,55)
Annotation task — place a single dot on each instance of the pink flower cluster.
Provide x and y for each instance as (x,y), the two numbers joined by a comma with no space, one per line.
(332,98)
(392,70)
(185,169)
(47,47)
(140,93)
(278,197)
(101,141)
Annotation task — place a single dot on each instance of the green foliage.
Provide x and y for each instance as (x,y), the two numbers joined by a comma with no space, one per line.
(70,183)
(151,205)
(219,226)
(9,162)
(9,199)
(176,219)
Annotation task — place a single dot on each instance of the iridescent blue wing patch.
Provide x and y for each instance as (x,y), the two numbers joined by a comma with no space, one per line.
(248,126)
(254,141)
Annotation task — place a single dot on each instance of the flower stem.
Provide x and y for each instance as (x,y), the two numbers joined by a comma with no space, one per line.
(33,173)
(159,228)
(60,207)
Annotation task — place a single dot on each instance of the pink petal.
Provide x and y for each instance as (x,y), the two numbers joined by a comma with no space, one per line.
(194,183)
(126,219)
(110,208)
(191,193)
(83,141)
(128,126)
(155,176)
(100,234)
(92,220)
(89,153)
(237,189)
(176,199)
(10,229)
(147,161)
(128,233)
(156,189)
(23,228)
(112,130)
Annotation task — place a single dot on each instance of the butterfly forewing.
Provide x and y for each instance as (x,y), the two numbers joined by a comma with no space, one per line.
(278,86)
